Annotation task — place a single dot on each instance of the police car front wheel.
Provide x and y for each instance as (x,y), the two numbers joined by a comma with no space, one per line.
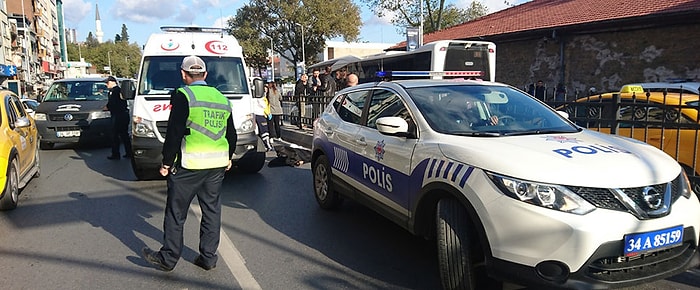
(453,244)
(326,196)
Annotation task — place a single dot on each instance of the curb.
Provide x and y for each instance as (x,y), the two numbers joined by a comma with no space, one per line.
(301,137)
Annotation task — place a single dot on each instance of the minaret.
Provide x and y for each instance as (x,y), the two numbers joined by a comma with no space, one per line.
(98,25)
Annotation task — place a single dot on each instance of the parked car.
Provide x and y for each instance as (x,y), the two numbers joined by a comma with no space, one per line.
(671,87)
(74,110)
(19,149)
(520,198)
(668,121)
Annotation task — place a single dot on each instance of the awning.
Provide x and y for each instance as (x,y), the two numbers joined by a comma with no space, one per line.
(8,70)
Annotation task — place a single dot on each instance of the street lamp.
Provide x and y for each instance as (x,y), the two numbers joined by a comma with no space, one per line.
(109,62)
(303,52)
(272,60)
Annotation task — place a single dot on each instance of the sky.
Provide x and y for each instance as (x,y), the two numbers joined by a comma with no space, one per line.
(143,17)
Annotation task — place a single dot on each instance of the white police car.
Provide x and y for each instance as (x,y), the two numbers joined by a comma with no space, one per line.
(527,197)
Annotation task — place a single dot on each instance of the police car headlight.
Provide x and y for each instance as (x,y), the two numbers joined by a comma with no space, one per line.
(39,117)
(246,126)
(550,196)
(142,128)
(685,188)
(100,115)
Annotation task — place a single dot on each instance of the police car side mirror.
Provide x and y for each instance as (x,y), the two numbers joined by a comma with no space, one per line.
(563,114)
(258,88)
(393,126)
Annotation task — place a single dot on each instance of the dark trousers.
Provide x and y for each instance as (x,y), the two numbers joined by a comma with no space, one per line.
(120,131)
(183,186)
(275,126)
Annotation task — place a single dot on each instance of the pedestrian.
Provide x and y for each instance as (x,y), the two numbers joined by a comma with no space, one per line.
(301,92)
(274,97)
(341,80)
(315,82)
(199,143)
(539,90)
(119,116)
(352,80)
(328,86)
(261,110)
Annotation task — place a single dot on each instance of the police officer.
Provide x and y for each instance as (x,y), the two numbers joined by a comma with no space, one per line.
(119,113)
(198,147)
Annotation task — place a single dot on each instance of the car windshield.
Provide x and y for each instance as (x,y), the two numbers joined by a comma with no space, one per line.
(79,90)
(470,109)
(161,74)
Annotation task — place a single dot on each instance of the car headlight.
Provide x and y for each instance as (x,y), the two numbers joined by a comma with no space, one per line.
(550,196)
(684,186)
(246,126)
(142,128)
(39,117)
(100,115)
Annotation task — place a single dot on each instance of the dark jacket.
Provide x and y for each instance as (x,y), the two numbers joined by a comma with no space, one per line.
(115,104)
(328,85)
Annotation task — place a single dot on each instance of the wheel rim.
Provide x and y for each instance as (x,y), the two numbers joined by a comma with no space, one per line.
(14,183)
(320,181)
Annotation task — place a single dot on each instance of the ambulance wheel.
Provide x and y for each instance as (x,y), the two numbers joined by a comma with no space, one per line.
(326,196)
(453,245)
(252,162)
(10,194)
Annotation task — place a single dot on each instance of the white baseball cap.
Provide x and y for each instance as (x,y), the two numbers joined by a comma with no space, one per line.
(193,64)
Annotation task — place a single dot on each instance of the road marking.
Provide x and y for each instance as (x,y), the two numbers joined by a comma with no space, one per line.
(232,257)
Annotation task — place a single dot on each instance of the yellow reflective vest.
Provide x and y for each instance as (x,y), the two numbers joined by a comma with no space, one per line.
(205,146)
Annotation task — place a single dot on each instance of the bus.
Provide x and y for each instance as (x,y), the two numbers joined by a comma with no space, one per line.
(438,60)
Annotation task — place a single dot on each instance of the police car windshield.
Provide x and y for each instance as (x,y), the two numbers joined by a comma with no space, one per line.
(161,75)
(468,110)
(76,91)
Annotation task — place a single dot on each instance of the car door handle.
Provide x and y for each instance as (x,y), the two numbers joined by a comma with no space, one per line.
(361,141)
(328,131)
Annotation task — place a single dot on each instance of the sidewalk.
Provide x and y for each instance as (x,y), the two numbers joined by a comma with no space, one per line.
(301,137)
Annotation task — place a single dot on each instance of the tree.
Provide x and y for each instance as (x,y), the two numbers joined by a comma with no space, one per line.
(117,38)
(436,15)
(91,41)
(123,57)
(125,34)
(282,21)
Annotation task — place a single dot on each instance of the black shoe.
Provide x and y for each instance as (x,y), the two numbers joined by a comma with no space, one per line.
(113,157)
(199,261)
(152,258)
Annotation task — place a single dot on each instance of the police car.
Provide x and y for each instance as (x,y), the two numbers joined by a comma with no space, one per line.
(508,188)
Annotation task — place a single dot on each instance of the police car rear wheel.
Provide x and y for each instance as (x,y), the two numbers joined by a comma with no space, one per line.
(11,192)
(453,243)
(326,196)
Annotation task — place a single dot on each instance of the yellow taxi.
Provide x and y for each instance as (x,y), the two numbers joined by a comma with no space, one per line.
(668,121)
(19,149)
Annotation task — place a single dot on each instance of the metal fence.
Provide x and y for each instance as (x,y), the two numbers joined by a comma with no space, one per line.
(302,111)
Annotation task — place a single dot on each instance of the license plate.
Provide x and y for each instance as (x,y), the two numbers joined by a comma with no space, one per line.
(639,243)
(68,134)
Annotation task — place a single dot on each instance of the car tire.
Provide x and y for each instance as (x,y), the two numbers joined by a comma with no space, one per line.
(45,145)
(326,196)
(37,163)
(453,244)
(10,196)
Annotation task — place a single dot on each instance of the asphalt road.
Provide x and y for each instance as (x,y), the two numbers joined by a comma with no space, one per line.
(82,225)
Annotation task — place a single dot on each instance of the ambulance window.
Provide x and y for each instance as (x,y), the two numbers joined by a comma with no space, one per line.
(350,106)
(385,103)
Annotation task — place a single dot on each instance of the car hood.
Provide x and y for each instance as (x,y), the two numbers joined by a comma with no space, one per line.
(71,106)
(586,158)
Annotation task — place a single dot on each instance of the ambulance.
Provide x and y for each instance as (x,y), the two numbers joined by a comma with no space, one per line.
(160,75)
